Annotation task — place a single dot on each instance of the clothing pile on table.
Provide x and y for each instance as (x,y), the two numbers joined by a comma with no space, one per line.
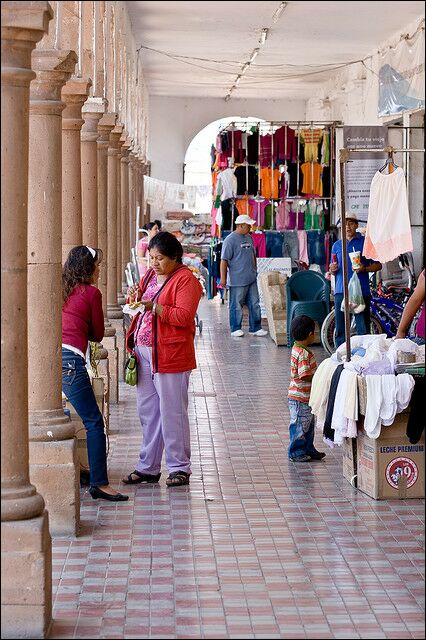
(335,398)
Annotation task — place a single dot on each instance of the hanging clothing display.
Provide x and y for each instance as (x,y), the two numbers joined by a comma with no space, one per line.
(227,183)
(388,225)
(269,180)
(247,180)
(312,183)
(311,139)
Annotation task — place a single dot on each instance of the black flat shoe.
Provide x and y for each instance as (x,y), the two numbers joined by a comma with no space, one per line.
(96,493)
(145,478)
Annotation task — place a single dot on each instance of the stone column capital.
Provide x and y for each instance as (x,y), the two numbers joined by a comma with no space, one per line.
(53,67)
(74,94)
(105,126)
(92,112)
(25,20)
(114,139)
(23,24)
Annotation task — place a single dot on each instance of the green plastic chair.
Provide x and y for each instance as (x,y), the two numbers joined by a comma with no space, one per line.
(307,293)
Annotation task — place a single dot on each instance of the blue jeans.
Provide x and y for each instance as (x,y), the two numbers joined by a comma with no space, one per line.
(78,390)
(248,295)
(362,320)
(302,429)
(316,249)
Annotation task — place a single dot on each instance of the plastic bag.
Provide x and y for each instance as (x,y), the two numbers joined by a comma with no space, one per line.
(355,298)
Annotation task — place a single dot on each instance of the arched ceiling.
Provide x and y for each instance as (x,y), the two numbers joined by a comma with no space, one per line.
(208,43)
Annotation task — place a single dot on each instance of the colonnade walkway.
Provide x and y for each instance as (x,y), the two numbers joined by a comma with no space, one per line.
(256,546)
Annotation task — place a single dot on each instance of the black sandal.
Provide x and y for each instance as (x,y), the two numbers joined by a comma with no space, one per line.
(145,478)
(177,479)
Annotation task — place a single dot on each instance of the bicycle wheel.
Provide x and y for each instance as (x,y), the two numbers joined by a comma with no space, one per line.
(375,326)
(328,330)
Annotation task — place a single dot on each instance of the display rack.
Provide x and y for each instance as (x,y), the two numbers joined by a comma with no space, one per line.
(269,128)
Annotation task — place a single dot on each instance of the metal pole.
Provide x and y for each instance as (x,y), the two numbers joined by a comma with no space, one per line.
(344,157)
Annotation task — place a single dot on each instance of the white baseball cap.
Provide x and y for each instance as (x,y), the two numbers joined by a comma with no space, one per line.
(244,220)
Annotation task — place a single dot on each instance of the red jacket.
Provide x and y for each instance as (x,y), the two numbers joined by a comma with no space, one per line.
(82,317)
(173,334)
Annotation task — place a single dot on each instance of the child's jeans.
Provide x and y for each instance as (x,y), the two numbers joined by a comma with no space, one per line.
(302,429)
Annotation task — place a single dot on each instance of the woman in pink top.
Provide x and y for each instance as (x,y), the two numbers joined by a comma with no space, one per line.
(417,300)
(152,228)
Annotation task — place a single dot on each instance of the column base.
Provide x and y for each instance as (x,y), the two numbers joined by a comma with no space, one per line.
(121,298)
(114,311)
(49,425)
(26,595)
(54,471)
(110,343)
(109,330)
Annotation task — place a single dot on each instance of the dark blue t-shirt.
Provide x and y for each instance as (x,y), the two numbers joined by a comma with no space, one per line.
(356,244)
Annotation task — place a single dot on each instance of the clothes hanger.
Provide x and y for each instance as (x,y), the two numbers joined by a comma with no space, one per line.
(389,162)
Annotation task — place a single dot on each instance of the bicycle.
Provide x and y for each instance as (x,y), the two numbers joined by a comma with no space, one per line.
(386,307)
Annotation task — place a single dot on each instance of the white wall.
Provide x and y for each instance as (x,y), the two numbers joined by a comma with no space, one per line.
(175,121)
(352,97)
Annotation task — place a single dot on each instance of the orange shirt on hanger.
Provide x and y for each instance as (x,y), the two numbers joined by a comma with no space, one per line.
(243,206)
(265,181)
(312,183)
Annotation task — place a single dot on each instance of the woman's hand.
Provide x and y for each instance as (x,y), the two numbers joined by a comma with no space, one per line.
(148,304)
(133,293)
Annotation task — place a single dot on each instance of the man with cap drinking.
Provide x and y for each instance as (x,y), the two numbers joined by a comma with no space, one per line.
(238,272)
(354,242)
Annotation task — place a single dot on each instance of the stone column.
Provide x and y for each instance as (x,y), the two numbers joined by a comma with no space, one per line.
(26,594)
(114,311)
(52,444)
(105,126)
(92,111)
(120,297)
(74,94)
(125,239)
(132,201)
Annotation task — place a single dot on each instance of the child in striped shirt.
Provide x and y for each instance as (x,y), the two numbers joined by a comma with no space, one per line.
(303,366)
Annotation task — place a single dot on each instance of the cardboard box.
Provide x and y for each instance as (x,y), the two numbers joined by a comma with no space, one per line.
(390,467)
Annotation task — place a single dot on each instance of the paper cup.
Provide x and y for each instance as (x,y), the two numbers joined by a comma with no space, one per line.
(355,257)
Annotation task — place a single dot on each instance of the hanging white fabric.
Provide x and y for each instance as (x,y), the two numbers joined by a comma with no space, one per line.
(388,228)
(160,193)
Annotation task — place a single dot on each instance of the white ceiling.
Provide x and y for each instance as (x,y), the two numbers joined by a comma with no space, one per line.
(224,34)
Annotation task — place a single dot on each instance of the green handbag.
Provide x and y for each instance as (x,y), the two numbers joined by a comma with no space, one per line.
(131,371)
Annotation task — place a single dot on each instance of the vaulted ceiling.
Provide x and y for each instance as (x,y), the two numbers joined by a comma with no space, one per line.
(199,48)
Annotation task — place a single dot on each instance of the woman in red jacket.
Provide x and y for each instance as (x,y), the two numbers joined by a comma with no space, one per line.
(83,320)
(162,336)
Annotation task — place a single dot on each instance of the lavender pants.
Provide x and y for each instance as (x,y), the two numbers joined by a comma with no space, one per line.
(163,412)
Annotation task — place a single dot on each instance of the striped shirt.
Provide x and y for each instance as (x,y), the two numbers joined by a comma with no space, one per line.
(302,365)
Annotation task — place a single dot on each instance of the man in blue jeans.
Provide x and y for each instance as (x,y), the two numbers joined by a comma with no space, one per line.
(238,262)
(354,242)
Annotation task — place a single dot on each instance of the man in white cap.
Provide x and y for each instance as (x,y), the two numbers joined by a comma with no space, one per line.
(238,262)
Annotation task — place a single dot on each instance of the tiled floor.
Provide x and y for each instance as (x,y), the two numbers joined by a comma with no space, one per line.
(256,546)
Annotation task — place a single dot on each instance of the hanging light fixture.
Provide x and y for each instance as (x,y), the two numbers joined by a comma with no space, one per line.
(278,12)
(263,36)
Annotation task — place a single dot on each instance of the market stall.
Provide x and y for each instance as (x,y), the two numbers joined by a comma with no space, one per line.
(366,397)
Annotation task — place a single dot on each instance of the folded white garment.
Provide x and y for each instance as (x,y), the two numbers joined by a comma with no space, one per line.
(351,399)
(320,388)
(372,421)
(404,388)
(388,406)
